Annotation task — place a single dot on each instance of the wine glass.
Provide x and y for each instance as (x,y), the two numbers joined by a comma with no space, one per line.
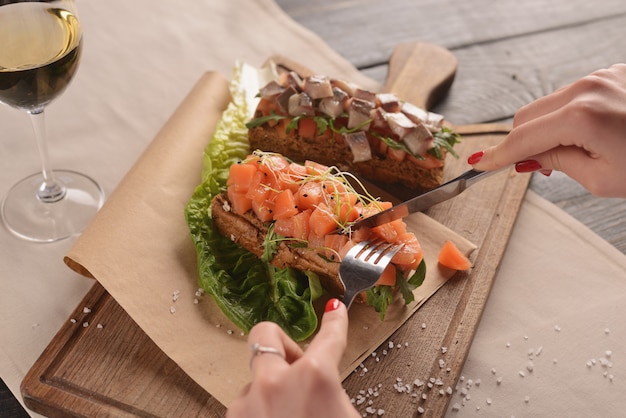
(41,43)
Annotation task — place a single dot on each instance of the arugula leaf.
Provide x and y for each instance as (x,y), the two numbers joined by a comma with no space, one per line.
(380,297)
(445,139)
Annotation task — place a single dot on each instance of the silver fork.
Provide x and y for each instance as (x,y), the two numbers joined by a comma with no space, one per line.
(363,265)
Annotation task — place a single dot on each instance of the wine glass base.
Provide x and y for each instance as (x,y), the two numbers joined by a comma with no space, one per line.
(29,218)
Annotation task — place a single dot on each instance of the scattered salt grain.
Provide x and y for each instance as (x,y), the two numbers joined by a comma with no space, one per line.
(423,325)
(508,345)
(608,353)
(229,332)
(99,326)
(530,366)
(607,331)
(73,321)
(489,401)
(86,310)
(175,295)
(527,399)
(477,382)
(499,380)
(456,407)
(195,301)
(557,328)
(493,371)
(420,410)
(444,350)
(172,309)
(522,374)
(85,324)
(539,350)
(442,364)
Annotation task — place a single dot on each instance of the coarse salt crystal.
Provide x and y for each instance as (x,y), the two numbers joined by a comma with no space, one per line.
(499,380)
(530,366)
(73,321)
(557,328)
(607,331)
(442,364)
(493,371)
(86,310)
(172,309)
(420,410)
(522,374)
(477,382)
(390,344)
(608,353)
(489,401)
(527,399)
(423,325)
(85,324)
(99,326)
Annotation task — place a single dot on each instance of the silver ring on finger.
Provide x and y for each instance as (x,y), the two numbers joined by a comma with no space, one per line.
(258,349)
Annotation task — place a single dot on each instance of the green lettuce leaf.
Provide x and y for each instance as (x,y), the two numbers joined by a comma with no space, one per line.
(247,289)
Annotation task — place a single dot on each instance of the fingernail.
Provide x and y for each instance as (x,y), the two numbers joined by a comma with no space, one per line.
(332,305)
(527,166)
(475,157)
(546,172)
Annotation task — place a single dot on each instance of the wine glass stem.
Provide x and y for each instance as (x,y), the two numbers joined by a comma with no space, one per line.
(50,190)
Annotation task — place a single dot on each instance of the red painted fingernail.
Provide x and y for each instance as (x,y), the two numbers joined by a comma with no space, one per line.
(527,166)
(475,157)
(332,304)
(546,172)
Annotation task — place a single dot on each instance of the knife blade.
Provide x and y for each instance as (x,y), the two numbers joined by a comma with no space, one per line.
(424,201)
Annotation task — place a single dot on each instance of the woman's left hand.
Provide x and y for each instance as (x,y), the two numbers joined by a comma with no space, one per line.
(290,383)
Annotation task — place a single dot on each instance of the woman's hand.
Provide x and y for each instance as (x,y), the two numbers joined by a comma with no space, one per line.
(579,129)
(290,383)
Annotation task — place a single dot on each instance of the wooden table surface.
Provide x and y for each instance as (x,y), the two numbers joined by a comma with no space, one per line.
(509,52)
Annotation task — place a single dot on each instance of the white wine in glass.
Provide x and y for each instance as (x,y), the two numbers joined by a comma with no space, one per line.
(41,43)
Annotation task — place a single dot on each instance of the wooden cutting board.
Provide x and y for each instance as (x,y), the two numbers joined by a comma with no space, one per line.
(118,371)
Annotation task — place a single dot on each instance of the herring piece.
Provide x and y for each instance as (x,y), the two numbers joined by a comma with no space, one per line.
(283,98)
(301,104)
(359,114)
(333,106)
(419,140)
(294,80)
(389,102)
(433,121)
(271,89)
(365,95)
(318,87)
(359,145)
(344,85)
(400,124)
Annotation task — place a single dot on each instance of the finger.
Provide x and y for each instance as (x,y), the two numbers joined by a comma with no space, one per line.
(332,338)
(538,136)
(269,334)
(564,95)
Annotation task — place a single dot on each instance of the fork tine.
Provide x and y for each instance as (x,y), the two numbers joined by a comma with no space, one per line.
(363,264)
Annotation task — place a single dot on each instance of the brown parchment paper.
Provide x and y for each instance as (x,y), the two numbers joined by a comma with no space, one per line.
(139,248)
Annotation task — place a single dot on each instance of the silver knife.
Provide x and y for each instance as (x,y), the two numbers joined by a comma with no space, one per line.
(424,201)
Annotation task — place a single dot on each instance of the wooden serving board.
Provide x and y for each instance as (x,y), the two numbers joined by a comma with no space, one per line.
(118,371)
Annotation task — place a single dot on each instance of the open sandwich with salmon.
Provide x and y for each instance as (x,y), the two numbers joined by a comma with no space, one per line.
(271,229)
